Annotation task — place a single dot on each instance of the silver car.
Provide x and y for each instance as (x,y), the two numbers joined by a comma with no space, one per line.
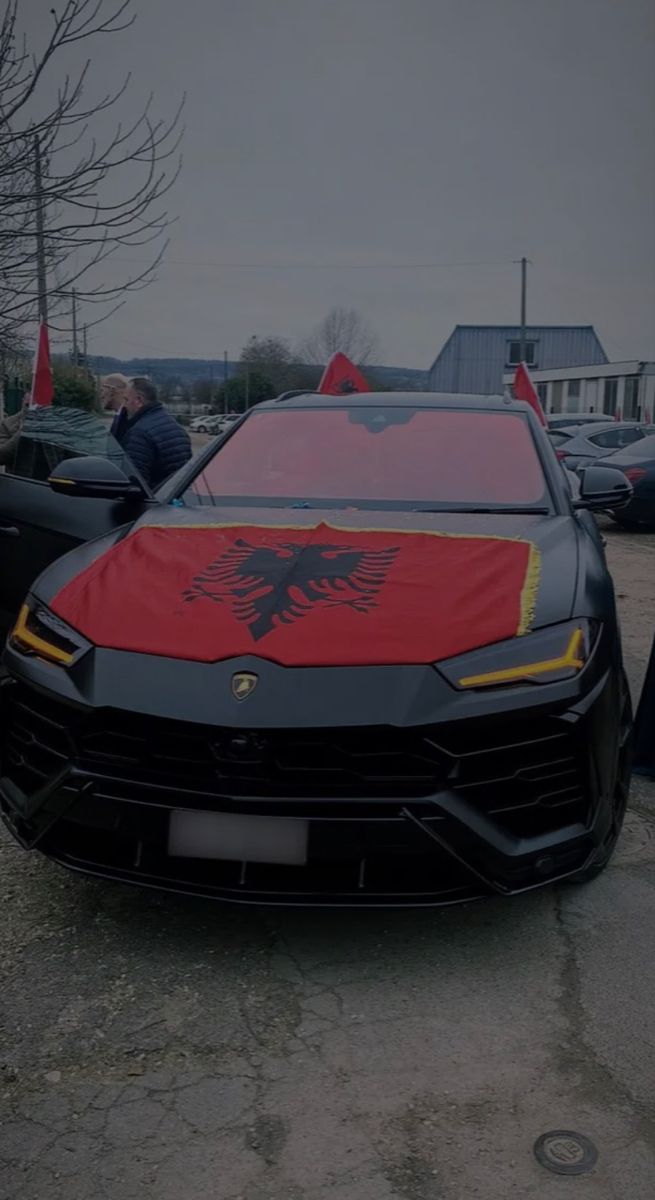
(579,444)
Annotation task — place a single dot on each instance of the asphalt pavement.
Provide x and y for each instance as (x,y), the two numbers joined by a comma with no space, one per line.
(167,1049)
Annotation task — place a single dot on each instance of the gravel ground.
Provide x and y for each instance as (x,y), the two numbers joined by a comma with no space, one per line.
(162,1049)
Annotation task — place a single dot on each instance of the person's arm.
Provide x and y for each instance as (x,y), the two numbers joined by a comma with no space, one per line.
(142,453)
(10,425)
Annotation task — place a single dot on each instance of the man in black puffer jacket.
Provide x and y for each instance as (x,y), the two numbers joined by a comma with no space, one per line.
(150,436)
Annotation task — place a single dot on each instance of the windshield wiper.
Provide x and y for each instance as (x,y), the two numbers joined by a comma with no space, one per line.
(525,510)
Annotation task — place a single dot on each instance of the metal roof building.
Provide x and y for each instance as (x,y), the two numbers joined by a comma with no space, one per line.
(475,357)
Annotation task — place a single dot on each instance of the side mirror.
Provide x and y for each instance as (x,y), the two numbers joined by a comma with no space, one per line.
(94,478)
(602,488)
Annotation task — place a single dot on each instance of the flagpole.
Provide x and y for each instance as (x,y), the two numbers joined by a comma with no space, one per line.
(524,290)
(76,355)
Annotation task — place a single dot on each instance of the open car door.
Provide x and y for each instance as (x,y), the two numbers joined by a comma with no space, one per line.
(36,524)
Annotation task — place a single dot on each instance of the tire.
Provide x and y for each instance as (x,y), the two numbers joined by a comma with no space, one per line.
(202,429)
(620,799)
(625,522)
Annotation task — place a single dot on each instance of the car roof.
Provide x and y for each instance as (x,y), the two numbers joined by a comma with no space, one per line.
(577,418)
(463,400)
(605,427)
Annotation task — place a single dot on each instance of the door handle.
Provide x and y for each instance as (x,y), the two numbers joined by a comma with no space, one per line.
(9,531)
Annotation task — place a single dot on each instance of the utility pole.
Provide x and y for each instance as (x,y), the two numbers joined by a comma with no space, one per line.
(76,353)
(524,291)
(42,279)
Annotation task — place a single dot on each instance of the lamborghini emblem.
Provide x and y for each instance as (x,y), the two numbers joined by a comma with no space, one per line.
(244,684)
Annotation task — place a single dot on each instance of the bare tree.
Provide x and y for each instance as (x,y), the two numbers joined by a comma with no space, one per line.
(345,330)
(271,356)
(66,188)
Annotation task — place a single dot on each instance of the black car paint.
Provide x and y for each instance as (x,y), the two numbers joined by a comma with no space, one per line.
(48,526)
(45,525)
(641,509)
(404,701)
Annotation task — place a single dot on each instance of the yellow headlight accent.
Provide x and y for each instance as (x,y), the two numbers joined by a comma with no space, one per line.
(38,645)
(570,660)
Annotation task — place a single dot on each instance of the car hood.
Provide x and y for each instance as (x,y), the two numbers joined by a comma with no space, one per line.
(308,588)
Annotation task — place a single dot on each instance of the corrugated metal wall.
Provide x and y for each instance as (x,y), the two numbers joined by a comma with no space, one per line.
(475,357)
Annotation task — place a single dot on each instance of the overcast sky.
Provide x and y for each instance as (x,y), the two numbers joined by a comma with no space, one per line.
(338,151)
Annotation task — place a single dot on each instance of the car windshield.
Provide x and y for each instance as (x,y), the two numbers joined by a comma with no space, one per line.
(377,457)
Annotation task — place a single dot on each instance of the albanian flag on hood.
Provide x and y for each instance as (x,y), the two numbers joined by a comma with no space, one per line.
(341,377)
(320,596)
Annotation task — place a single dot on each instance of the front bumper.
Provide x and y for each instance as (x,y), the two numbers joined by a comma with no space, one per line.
(420,815)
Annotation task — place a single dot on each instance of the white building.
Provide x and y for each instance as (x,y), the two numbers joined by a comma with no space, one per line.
(623,389)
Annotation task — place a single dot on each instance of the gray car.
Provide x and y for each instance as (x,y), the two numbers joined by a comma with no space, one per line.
(580,444)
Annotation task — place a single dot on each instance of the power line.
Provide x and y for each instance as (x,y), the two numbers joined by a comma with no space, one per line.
(261,266)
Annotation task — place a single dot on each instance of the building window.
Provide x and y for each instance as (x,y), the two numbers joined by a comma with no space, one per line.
(542,392)
(514,354)
(631,400)
(556,398)
(610,397)
(574,389)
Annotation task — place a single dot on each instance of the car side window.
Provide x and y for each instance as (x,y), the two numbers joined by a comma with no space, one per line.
(615,439)
(628,436)
(49,436)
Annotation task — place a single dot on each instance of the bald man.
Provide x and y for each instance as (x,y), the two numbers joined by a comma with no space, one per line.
(113,393)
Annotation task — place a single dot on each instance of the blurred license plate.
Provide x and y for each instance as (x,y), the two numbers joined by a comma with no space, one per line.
(238,838)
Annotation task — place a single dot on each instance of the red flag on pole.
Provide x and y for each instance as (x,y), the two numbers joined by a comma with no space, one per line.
(341,376)
(42,386)
(524,389)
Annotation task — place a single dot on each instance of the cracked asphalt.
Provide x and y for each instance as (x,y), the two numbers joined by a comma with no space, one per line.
(166,1049)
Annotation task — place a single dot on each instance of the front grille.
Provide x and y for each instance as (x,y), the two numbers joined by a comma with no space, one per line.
(528,776)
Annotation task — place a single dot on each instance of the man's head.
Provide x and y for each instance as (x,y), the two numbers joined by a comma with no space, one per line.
(141,393)
(113,389)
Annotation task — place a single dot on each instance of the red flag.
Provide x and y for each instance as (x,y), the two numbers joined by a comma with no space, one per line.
(342,376)
(42,386)
(310,596)
(524,389)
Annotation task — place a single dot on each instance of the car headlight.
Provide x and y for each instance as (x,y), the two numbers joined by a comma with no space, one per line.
(547,656)
(40,633)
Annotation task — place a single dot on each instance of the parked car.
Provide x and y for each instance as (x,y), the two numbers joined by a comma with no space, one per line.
(581,444)
(637,462)
(566,420)
(206,424)
(37,525)
(363,650)
(227,421)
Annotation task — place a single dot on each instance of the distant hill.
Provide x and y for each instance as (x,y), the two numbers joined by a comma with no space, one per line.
(187,370)
(409,379)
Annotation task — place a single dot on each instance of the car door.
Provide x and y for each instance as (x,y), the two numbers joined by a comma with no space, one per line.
(37,525)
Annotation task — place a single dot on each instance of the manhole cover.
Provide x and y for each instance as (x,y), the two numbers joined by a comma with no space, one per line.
(565,1152)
